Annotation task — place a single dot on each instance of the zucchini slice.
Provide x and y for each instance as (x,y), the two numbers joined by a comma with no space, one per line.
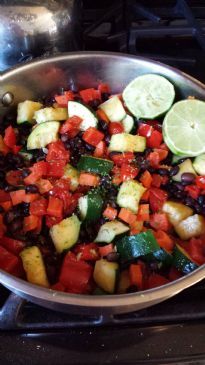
(125,142)
(142,244)
(42,135)
(192,226)
(182,261)
(176,212)
(95,165)
(26,110)
(73,175)
(90,206)
(106,274)
(88,117)
(114,109)
(130,194)
(110,230)
(65,234)
(49,114)
(34,266)
(128,123)
(199,164)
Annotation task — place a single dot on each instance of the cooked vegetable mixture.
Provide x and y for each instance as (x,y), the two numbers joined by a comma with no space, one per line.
(102,193)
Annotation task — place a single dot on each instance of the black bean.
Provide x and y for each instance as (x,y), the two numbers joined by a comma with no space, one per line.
(9,188)
(31,189)
(105,96)
(106,181)
(107,139)
(26,172)
(174,170)
(1,209)
(112,203)
(15,225)
(2,175)
(197,208)
(113,257)
(94,103)
(188,178)
(25,209)
(78,98)
(150,169)
(89,147)
(179,186)
(189,201)
(102,125)
(201,199)
(163,172)
(64,137)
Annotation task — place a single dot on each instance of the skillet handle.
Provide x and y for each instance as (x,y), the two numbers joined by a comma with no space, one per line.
(10,312)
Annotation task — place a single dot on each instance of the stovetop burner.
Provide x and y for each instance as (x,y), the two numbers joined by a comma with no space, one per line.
(170,332)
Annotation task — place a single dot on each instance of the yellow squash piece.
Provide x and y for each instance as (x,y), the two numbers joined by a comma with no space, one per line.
(192,226)
(73,175)
(176,212)
(49,114)
(34,266)
(125,142)
(124,282)
(26,110)
(184,167)
(130,194)
(105,275)
(65,234)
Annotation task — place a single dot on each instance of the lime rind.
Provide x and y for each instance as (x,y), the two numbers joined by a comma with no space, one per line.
(184,128)
(149,96)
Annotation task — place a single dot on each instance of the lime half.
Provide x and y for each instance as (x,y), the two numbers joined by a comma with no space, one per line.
(149,96)
(184,128)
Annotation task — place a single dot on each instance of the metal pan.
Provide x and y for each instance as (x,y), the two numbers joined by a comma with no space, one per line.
(86,69)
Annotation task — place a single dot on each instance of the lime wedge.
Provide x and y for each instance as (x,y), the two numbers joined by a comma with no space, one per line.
(149,96)
(184,128)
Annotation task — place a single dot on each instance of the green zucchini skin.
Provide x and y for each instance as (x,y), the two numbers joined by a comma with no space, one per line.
(94,205)
(182,261)
(95,165)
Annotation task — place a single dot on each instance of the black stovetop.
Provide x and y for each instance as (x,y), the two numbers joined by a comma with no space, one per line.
(170,332)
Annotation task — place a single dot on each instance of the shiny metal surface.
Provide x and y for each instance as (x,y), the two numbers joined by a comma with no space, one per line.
(32,28)
(86,69)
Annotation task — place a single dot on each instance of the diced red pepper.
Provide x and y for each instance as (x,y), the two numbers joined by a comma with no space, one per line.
(110,213)
(72,203)
(143,212)
(57,151)
(162,153)
(105,250)
(174,274)
(159,221)
(155,140)
(200,182)
(145,130)
(51,221)
(6,205)
(155,280)
(89,95)
(101,115)
(16,149)
(157,198)
(44,185)
(93,136)
(87,252)
(127,216)
(3,147)
(155,124)
(128,172)
(145,196)
(12,245)
(115,128)
(14,177)
(58,286)
(100,150)
(31,178)
(164,240)
(120,158)
(4,196)
(31,222)
(76,275)
(146,179)
(56,169)
(2,226)
(88,179)
(154,159)
(62,100)
(156,180)
(193,191)
(196,249)
(55,207)
(8,261)
(104,88)
(71,125)
(40,168)
(20,196)
(10,137)
(38,207)
(136,227)
(136,276)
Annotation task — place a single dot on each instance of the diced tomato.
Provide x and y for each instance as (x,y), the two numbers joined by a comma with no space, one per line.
(55,207)
(193,191)
(164,240)
(162,153)
(10,137)
(115,128)
(93,136)
(38,207)
(3,147)
(128,172)
(110,213)
(2,226)
(136,276)
(6,205)
(70,125)
(154,159)
(30,223)
(44,185)
(8,261)
(136,227)
(127,216)
(156,180)
(100,150)
(145,130)
(120,158)
(4,196)
(76,276)
(12,245)
(62,100)
(155,140)
(56,169)
(57,151)
(200,182)
(143,212)
(105,250)
(87,252)
(89,95)
(157,199)
(40,168)
(155,280)
(88,179)
(16,149)
(104,88)
(159,221)
(196,249)
(51,221)
(14,177)
(146,179)
(101,115)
